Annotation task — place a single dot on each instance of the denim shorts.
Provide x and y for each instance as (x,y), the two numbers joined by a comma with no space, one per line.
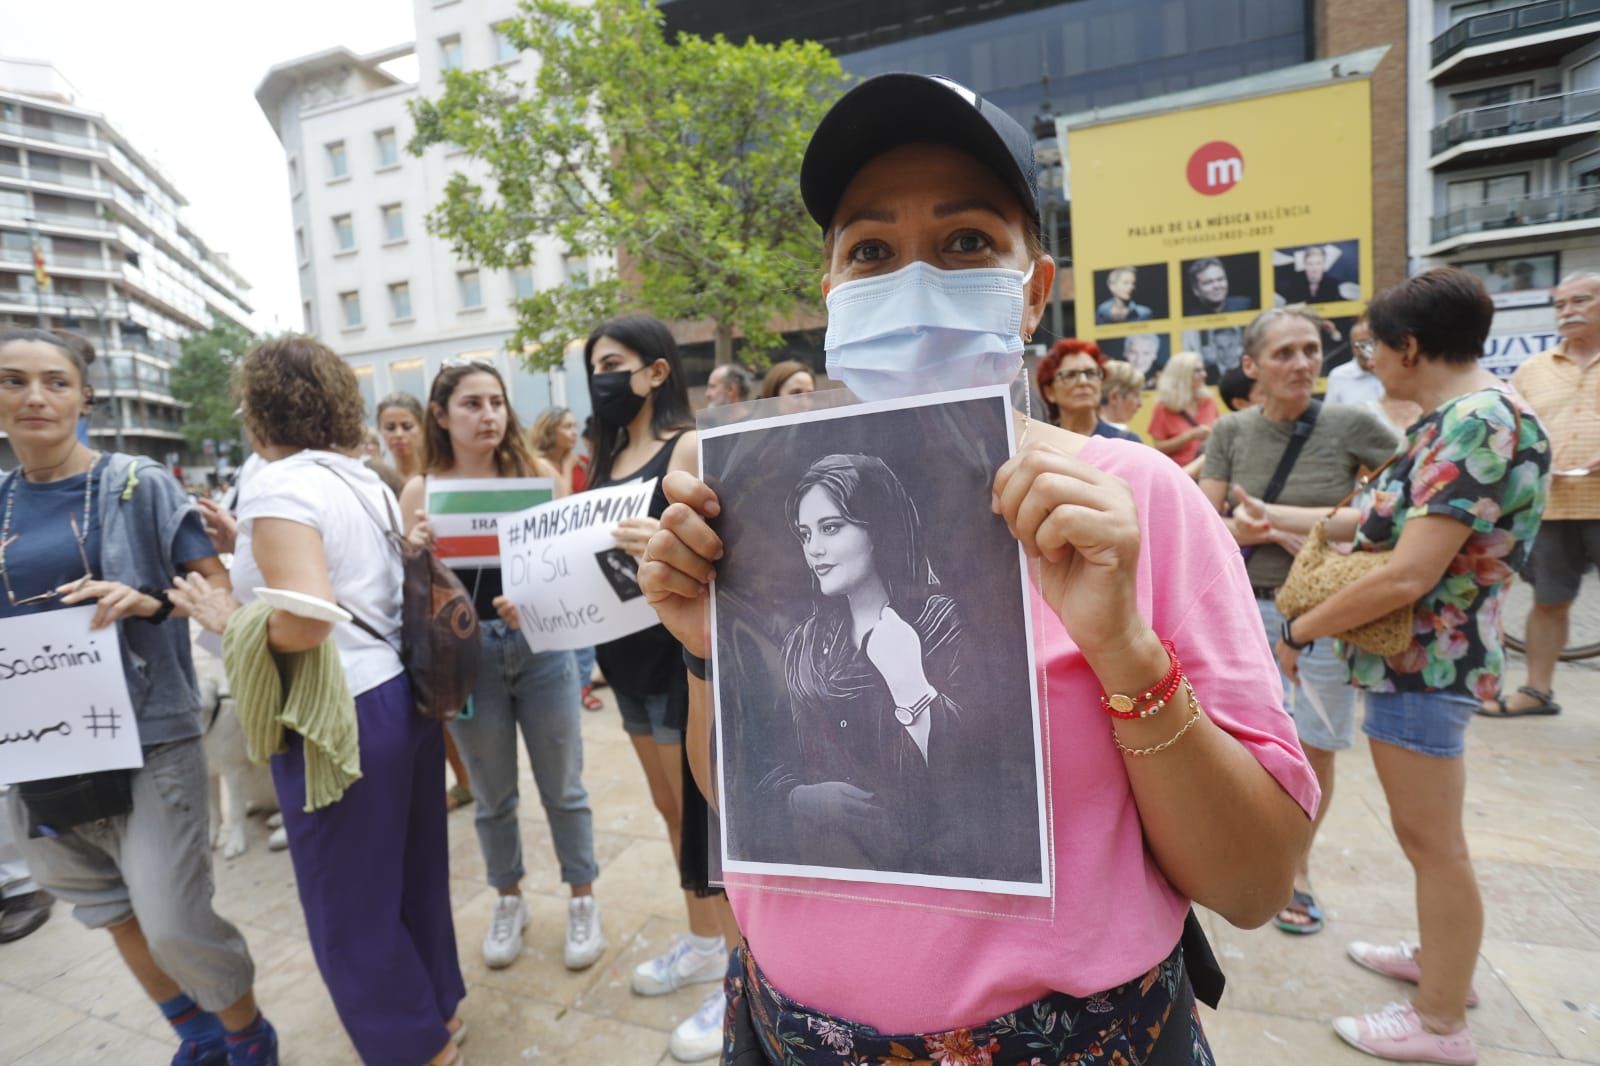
(649,716)
(1429,723)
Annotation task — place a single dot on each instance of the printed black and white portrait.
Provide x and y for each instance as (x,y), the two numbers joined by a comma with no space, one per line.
(1220,349)
(876,710)
(621,572)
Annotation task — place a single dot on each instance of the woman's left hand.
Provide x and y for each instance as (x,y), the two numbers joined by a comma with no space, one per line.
(507,612)
(113,601)
(632,534)
(895,649)
(1083,526)
(1288,661)
(208,604)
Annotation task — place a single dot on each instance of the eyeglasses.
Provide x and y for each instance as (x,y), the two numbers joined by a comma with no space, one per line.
(1365,349)
(1067,377)
(44,597)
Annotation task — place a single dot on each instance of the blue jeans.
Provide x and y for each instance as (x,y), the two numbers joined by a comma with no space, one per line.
(537,694)
(585,657)
(1428,723)
(1326,677)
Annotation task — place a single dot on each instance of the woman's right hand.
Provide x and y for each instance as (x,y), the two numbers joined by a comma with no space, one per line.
(421,535)
(208,604)
(221,526)
(679,561)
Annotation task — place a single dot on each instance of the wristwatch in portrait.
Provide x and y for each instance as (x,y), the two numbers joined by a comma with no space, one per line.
(908,715)
(1287,634)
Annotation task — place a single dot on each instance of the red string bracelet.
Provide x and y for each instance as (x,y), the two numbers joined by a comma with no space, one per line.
(1147,703)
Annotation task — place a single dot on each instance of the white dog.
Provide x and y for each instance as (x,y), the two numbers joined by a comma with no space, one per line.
(234,779)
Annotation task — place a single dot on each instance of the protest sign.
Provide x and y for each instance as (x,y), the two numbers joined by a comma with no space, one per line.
(573,587)
(64,705)
(463,512)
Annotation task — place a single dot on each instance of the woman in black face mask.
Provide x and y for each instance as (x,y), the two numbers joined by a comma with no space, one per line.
(642,419)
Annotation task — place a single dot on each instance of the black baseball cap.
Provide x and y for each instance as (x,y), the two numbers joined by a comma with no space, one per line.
(894,109)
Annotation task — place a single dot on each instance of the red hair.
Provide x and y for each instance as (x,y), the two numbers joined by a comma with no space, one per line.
(1052,362)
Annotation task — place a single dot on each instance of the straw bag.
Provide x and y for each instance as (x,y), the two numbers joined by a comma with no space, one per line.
(1320,570)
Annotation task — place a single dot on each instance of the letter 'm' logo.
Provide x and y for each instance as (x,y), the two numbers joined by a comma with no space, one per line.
(1215,167)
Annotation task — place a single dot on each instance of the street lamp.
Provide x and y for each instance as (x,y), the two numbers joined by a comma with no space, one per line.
(1047,154)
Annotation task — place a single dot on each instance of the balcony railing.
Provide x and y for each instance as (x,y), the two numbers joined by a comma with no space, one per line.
(44,133)
(53,260)
(53,218)
(1563,205)
(1511,23)
(1521,116)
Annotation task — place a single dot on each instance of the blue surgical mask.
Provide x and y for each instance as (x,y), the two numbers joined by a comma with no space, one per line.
(921,330)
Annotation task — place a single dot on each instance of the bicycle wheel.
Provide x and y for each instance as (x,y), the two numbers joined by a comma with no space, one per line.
(1583,635)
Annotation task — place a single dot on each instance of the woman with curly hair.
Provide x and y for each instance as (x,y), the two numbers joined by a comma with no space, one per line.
(370,867)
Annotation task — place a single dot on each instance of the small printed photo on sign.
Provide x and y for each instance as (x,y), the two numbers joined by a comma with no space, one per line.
(1336,350)
(1131,294)
(1220,349)
(1518,280)
(877,712)
(1324,273)
(1217,285)
(1147,352)
(621,572)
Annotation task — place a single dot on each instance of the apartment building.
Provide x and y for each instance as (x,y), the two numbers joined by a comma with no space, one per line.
(83,210)
(375,285)
(1505,175)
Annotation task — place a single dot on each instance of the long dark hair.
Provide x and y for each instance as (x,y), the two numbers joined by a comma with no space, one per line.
(511,456)
(869,495)
(650,339)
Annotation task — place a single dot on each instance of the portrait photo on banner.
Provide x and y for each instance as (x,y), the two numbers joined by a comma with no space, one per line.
(1216,285)
(1146,352)
(1131,294)
(1220,349)
(1325,273)
(876,702)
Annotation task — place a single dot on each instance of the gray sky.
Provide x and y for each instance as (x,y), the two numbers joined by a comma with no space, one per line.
(178,77)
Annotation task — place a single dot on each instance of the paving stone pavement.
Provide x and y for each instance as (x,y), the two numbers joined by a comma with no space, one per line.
(1533,819)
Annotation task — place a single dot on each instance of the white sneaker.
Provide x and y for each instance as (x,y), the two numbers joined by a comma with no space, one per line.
(503,942)
(699,1036)
(680,965)
(586,941)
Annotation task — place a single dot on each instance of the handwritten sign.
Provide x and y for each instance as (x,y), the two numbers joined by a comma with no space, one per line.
(463,512)
(572,585)
(64,705)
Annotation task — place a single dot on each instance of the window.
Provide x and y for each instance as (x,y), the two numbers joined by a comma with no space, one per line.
(294,174)
(504,50)
(522,282)
(394,223)
(338,162)
(470,285)
(400,300)
(1479,191)
(367,383)
(388,149)
(350,306)
(1585,173)
(344,233)
(575,269)
(299,244)
(1460,12)
(1496,94)
(305,312)
(1586,76)
(409,376)
(450,52)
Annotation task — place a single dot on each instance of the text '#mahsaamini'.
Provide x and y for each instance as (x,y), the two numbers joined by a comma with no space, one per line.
(577,514)
(46,660)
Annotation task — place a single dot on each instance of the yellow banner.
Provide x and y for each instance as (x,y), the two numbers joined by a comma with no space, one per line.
(1187,224)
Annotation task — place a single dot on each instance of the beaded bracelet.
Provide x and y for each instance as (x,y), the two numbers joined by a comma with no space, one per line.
(1147,704)
(1165,744)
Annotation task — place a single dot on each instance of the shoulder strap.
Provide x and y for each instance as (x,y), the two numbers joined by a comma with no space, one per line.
(393,529)
(1291,452)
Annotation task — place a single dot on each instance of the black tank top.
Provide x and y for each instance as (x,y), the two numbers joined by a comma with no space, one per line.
(649,662)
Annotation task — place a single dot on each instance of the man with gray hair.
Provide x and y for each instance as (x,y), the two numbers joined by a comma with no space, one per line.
(728,383)
(1562,386)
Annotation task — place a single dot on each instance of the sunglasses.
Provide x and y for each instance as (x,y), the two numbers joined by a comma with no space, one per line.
(44,597)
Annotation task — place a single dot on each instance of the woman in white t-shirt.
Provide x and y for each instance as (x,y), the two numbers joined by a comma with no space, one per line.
(314,522)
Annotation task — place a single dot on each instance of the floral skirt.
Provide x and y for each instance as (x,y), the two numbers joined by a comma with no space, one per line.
(1149,1022)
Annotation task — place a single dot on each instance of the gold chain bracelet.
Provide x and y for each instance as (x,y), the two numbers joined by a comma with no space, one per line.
(1165,744)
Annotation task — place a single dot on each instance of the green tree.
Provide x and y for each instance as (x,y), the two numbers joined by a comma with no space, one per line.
(203,379)
(683,157)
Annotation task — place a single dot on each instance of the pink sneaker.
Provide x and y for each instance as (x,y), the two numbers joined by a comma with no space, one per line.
(1396,1033)
(1395,960)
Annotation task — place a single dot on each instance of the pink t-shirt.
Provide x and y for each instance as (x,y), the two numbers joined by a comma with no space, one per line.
(912,960)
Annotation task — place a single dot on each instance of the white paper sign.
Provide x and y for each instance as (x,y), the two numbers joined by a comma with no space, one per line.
(64,705)
(572,585)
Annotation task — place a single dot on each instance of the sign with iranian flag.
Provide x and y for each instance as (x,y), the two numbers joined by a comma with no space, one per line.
(465,514)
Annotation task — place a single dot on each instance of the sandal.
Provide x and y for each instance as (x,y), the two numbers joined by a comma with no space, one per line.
(456,798)
(1544,705)
(591,702)
(1300,903)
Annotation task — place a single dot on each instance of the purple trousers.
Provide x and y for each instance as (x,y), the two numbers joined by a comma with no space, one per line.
(374,880)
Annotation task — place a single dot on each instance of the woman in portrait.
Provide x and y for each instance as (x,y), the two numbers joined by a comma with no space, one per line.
(872,676)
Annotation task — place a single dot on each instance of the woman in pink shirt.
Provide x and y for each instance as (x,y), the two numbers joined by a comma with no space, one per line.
(1206,800)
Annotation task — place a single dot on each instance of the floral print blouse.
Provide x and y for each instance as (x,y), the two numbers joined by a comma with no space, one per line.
(1482,459)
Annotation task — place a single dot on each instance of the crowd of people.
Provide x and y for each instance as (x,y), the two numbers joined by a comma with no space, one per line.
(1194,724)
